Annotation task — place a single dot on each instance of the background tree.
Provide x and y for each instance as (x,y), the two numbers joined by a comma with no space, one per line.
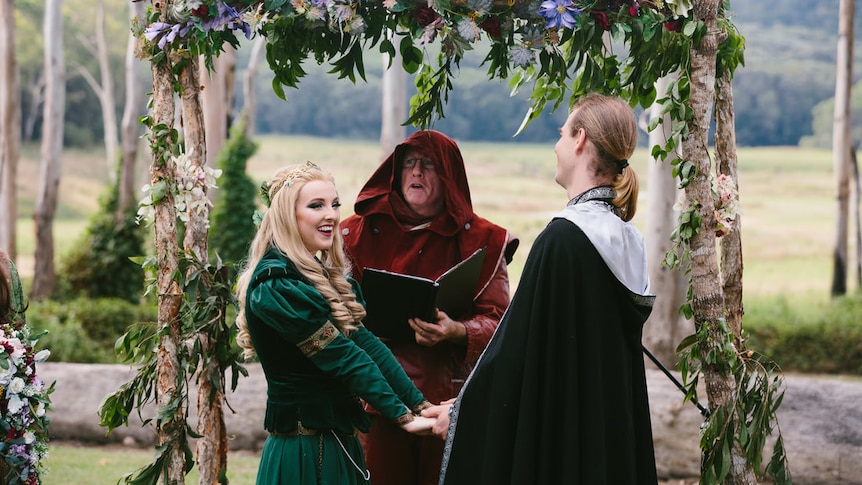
(393,89)
(97,46)
(133,107)
(665,327)
(842,144)
(10,137)
(44,275)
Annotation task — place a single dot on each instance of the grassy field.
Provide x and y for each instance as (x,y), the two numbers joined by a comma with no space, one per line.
(787,198)
(75,464)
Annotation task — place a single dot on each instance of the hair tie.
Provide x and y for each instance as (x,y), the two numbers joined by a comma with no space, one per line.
(621,165)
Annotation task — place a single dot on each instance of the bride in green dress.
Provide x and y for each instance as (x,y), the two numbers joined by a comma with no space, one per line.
(301,315)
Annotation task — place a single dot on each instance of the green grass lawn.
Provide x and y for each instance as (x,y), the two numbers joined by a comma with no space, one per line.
(76,464)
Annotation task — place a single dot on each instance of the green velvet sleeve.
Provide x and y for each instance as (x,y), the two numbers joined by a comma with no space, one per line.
(389,366)
(302,317)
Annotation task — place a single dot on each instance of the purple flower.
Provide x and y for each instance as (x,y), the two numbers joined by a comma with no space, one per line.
(155,29)
(559,13)
(229,18)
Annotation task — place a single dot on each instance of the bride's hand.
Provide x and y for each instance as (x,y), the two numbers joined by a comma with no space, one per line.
(420,426)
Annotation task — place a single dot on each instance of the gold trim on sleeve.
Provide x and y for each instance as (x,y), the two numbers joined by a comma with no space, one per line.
(318,340)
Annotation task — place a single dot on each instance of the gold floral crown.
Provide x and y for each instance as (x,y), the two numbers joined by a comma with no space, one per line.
(291,176)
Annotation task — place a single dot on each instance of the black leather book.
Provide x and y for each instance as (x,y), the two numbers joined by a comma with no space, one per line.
(391,298)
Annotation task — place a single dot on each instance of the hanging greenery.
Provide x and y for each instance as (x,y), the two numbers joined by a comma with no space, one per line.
(553,46)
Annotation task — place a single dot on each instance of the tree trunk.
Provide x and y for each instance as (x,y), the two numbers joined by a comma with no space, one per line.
(212,445)
(731,244)
(52,144)
(394,109)
(707,297)
(37,96)
(841,143)
(106,97)
(665,327)
(130,126)
(171,429)
(10,136)
(249,110)
(217,99)
(857,200)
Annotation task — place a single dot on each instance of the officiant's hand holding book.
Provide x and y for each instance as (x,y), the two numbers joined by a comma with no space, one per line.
(406,307)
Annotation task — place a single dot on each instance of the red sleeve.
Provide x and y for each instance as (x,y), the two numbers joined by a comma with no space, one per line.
(489,307)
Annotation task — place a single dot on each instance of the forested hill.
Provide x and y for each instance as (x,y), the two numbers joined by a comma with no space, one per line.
(782,94)
(790,57)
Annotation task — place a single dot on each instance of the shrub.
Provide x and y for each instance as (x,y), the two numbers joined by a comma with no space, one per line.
(99,267)
(825,341)
(232,226)
(84,330)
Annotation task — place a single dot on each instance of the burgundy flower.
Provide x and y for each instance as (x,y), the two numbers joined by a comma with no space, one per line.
(424,15)
(674,25)
(601,19)
(635,9)
(200,11)
(491,25)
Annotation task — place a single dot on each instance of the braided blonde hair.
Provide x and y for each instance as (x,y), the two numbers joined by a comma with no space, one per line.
(279,229)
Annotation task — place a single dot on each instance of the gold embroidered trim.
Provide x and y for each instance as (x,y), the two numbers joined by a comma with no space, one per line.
(404,419)
(318,340)
(425,405)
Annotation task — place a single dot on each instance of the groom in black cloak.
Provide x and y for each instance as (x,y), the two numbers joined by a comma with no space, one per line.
(559,395)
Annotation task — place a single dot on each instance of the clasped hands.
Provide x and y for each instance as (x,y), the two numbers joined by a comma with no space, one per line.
(433,421)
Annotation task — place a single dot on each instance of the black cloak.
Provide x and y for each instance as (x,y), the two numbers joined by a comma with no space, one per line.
(559,396)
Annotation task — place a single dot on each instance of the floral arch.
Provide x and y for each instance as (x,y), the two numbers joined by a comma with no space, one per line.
(557,49)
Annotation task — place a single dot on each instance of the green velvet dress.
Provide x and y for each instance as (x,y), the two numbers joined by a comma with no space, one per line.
(315,377)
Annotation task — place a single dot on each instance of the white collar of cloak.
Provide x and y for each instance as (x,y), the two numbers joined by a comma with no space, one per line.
(619,243)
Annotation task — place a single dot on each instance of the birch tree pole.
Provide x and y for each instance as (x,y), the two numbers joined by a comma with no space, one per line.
(171,425)
(842,143)
(10,137)
(212,444)
(52,144)
(708,299)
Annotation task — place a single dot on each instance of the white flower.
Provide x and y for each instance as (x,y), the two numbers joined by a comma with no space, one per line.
(42,355)
(15,404)
(16,386)
(40,409)
(6,374)
(29,437)
(188,190)
(680,8)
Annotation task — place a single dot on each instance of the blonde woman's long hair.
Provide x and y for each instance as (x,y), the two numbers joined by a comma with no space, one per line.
(279,229)
(609,123)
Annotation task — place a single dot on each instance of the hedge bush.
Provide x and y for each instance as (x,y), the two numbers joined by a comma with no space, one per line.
(827,339)
(84,330)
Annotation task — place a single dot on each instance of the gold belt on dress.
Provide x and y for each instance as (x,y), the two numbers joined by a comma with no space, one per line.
(303,431)
(299,431)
